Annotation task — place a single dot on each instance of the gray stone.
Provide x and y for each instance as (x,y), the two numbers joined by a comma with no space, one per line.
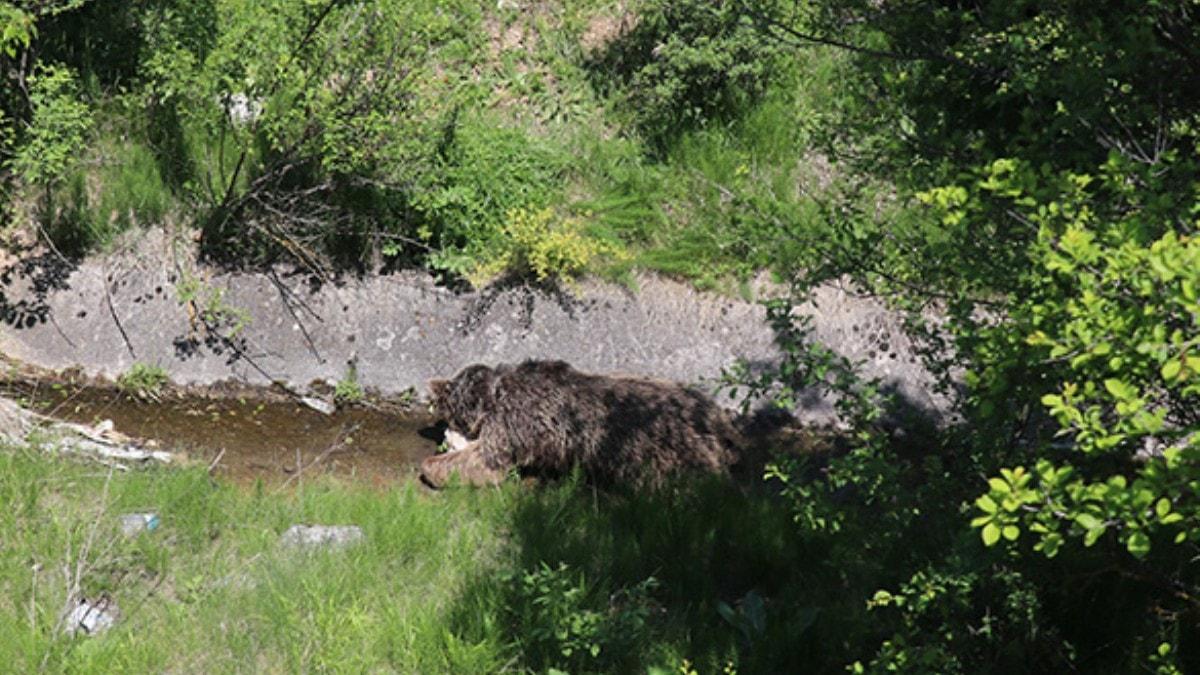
(321,536)
(242,109)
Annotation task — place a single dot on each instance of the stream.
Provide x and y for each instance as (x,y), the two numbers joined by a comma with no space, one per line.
(246,439)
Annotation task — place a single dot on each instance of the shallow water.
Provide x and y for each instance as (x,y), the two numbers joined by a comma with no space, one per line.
(251,439)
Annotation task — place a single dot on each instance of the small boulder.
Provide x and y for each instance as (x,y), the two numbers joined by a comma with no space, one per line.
(320,405)
(322,536)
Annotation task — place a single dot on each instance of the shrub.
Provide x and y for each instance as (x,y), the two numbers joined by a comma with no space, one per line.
(50,149)
(556,625)
(539,243)
(487,170)
(60,122)
(1110,329)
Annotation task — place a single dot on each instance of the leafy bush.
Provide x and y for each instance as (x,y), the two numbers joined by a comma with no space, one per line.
(1103,343)
(60,122)
(487,170)
(1128,327)
(556,626)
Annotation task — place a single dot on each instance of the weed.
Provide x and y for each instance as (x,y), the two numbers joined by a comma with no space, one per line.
(207,308)
(408,398)
(146,381)
(348,390)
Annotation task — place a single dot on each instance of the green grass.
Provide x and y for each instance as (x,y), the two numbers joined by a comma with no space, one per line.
(460,581)
(738,194)
(210,590)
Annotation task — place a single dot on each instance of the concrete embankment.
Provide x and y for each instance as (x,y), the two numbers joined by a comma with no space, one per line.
(148,303)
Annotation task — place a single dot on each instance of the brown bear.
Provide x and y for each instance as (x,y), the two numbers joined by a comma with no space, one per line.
(545,418)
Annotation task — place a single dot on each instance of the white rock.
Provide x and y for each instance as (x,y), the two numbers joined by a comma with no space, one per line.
(242,109)
(320,405)
(322,536)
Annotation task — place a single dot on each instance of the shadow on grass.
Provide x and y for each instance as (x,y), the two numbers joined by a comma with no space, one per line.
(734,583)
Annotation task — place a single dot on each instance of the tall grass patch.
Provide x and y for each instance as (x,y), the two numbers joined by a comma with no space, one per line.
(742,196)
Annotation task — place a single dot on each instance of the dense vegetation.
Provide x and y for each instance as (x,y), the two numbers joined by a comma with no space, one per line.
(1026,173)
(472,139)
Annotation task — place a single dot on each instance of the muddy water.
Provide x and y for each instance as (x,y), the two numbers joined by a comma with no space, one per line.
(276,441)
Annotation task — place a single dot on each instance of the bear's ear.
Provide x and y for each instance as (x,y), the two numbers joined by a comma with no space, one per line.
(438,388)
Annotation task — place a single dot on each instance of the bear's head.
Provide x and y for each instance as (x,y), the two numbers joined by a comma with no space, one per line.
(464,401)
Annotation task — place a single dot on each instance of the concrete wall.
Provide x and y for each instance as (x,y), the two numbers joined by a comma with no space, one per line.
(111,311)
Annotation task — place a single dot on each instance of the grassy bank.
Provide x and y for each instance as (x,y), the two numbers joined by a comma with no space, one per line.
(552,140)
(514,580)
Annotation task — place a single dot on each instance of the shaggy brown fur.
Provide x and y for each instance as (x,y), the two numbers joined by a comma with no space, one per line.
(546,418)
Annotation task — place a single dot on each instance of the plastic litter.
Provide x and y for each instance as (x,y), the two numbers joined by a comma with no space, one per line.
(133,523)
(92,617)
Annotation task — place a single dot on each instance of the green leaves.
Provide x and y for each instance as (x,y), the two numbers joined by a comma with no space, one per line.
(991,534)
(61,121)
(1001,506)
(1089,522)
(1138,544)
(1092,526)
(1120,390)
(1121,328)
(16,29)
(1080,246)
(1171,370)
